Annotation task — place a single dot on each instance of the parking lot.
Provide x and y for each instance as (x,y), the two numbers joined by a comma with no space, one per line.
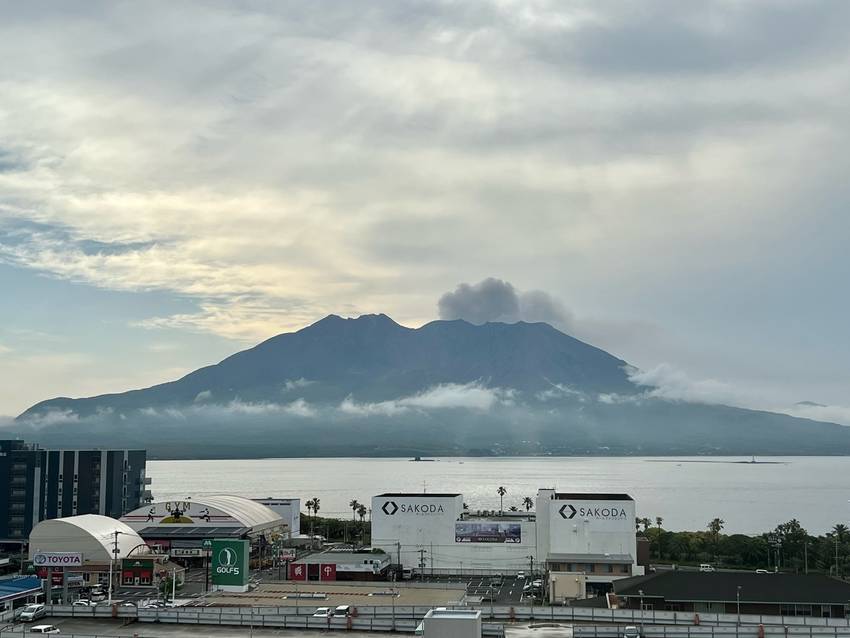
(508,590)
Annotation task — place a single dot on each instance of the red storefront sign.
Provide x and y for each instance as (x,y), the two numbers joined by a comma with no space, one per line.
(328,571)
(297,572)
(56,579)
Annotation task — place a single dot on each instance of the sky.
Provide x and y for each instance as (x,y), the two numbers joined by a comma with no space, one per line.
(666,180)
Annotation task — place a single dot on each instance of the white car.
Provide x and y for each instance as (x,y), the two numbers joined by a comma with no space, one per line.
(631,631)
(342,611)
(520,575)
(31,613)
(44,629)
(705,567)
(323,612)
(83,602)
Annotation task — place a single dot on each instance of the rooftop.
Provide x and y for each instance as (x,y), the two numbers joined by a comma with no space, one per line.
(723,587)
(416,495)
(591,496)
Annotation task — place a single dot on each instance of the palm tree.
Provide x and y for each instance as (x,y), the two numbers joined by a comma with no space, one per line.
(354,505)
(313,505)
(513,508)
(638,521)
(309,505)
(646,524)
(361,511)
(501,491)
(841,531)
(658,521)
(527,503)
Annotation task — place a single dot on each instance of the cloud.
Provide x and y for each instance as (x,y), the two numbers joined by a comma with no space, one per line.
(295,384)
(497,300)
(672,384)
(664,381)
(203,395)
(832,413)
(448,396)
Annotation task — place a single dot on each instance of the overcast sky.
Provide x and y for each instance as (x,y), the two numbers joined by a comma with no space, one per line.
(667,180)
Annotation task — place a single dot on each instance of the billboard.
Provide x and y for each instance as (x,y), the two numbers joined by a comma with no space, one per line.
(487,532)
(297,571)
(57,559)
(230,563)
(328,571)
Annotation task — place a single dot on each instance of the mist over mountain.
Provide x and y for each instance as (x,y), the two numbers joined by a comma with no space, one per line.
(369,386)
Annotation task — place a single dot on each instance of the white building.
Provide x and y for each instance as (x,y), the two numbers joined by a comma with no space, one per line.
(289,509)
(590,534)
(450,623)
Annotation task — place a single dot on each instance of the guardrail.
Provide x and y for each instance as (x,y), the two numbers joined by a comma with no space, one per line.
(488,612)
(743,631)
(276,617)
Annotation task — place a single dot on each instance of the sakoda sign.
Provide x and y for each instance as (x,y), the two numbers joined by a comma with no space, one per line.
(597,512)
(391,508)
(230,562)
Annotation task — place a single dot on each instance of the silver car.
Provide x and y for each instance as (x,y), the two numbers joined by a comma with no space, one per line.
(32,612)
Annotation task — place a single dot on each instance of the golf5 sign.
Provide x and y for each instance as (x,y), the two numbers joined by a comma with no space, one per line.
(230,562)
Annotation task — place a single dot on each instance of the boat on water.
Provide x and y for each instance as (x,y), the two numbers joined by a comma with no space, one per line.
(419,459)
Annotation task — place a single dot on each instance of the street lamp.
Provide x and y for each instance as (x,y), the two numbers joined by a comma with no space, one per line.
(738,600)
(640,593)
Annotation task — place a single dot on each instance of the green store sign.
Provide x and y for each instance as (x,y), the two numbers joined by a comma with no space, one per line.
(230,562)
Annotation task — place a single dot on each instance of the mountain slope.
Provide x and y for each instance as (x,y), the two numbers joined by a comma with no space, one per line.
(369,386)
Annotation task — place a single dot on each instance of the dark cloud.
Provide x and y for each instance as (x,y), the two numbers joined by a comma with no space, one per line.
(488,300)
(497,300)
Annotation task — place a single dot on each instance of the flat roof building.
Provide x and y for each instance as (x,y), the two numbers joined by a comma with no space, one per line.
(40,484)
(591,534)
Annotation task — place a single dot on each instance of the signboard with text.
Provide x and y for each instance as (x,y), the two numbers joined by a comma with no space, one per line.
(297,572)
(328,571)
(230,563)
(487,532)
(57,559)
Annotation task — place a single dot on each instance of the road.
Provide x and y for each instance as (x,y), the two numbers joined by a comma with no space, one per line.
(108,627)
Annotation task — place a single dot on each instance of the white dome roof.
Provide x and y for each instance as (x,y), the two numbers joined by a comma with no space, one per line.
(91,534)
(248,512)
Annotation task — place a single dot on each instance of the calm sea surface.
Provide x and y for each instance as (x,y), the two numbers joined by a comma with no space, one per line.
(751,498)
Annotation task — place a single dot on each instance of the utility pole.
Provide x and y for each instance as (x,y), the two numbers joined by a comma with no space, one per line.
(422,564)
(836,555)
(114,553)
(806,557)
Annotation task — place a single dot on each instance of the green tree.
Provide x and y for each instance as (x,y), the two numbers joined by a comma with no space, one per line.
(354,505)
(715,526)
(501,491)
(513,508)
(527,503)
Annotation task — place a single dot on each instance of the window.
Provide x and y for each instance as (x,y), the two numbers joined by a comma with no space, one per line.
(624,569)
(610,569)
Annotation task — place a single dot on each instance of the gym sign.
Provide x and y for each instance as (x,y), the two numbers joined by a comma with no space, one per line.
(57,559)
(230,562)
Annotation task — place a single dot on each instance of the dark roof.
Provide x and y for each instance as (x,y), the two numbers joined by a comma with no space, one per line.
(155,533)
(596,602)
(416,495)
(723,587)
(561,496)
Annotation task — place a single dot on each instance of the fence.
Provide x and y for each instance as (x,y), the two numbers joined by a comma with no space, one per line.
(743,631)
(238,615)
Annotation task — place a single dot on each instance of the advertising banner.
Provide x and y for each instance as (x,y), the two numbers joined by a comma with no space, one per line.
(57,559)
(297,572)
(328,571)
(487,532)
(230,562)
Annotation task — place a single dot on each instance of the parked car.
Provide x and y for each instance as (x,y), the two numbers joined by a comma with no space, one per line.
(705,567)
(323,612)
(342,611)
(97,595)
(762,571)
(630,631)
(127,603)
(31,613)
(44,629)
(520,575)
(83,602)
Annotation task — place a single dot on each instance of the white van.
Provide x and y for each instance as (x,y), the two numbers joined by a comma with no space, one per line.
(342,611)
(44,629)
(705,567)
